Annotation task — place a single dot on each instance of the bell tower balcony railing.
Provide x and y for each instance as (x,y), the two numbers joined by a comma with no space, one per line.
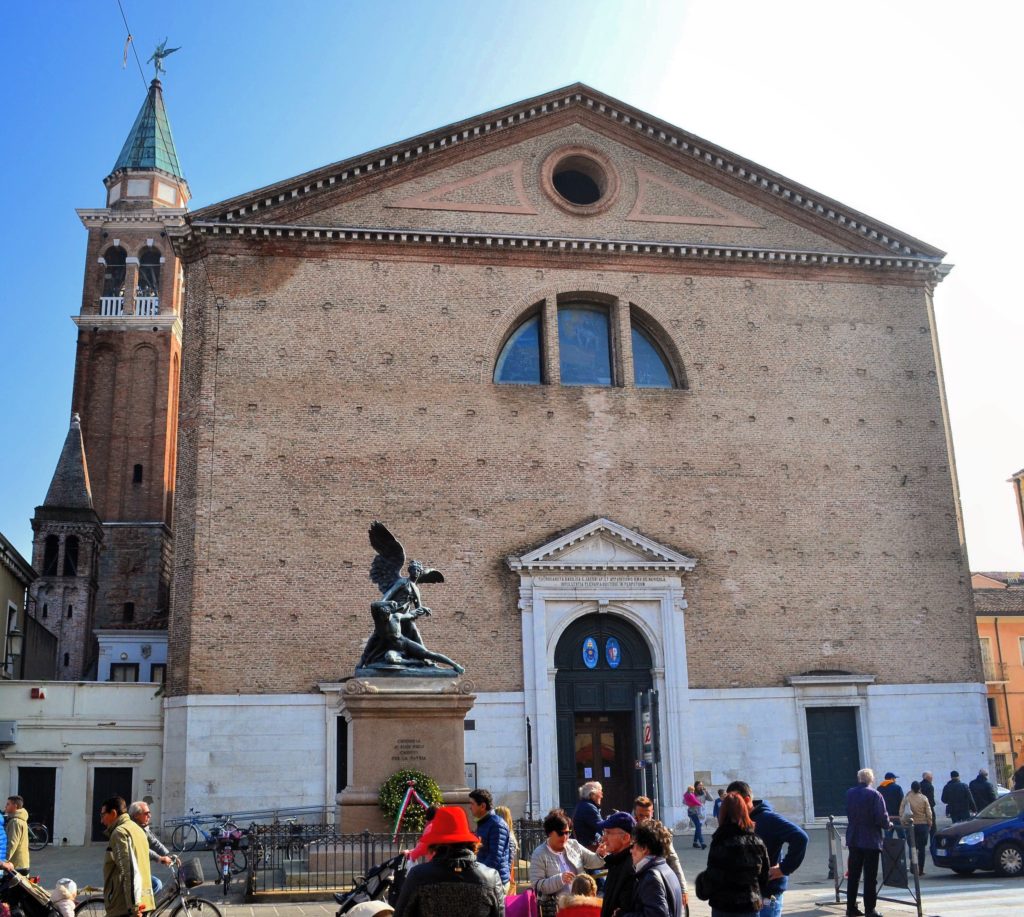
(145,306)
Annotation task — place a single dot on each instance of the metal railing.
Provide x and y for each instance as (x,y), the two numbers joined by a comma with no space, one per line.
(896,868)
(995,671)
(305,858)
(111,305)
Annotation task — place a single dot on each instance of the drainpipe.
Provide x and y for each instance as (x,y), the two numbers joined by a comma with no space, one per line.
(1006,698)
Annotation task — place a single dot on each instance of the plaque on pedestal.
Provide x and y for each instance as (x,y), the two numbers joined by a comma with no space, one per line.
(397,724)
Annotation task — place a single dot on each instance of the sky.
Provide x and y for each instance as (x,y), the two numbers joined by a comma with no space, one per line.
(907,111)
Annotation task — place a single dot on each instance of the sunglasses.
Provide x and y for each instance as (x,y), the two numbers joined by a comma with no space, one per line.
(564,833)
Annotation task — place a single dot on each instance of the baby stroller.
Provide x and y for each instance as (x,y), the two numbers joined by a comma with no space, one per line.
(382,883)
(24,898)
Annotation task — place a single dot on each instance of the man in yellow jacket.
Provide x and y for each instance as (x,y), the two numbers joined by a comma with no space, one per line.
(127,884)
(16,823)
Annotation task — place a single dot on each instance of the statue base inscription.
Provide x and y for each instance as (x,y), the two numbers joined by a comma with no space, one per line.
(396,724)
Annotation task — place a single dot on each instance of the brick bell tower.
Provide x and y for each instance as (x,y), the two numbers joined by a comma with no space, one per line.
(127,370)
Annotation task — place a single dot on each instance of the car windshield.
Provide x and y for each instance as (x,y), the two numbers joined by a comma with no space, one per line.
(1007,807)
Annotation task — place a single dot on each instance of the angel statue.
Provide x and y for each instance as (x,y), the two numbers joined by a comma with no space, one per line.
(396,644)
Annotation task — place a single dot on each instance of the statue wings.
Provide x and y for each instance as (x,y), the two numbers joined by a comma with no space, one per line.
(387,565)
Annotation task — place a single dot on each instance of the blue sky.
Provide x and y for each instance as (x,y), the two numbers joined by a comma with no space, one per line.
(907,111)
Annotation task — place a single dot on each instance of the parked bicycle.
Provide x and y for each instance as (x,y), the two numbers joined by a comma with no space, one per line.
(229,857)
(173,899)
(38,835)
(186,836)
(287,836)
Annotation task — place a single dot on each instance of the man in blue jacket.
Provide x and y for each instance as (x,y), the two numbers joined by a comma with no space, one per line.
(495,849)
(867,819)
(776,832)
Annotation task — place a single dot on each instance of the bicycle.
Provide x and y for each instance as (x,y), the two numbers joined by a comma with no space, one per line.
(38,835)
(173,900)
(186,836)
(229,856)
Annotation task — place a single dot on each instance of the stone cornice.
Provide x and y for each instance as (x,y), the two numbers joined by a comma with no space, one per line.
(157,323)
(630,121)
(561,244)
(105,217)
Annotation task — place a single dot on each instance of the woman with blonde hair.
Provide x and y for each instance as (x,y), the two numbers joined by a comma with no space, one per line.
(505,814)
(695,811)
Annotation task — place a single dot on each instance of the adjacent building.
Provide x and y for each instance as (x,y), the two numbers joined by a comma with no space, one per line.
(15,576)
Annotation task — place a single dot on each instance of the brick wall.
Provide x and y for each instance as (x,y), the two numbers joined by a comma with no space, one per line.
(805,469)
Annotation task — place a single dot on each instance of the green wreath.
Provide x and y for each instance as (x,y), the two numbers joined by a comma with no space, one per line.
(392,792)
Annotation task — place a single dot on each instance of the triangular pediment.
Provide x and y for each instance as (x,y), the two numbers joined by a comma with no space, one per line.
(602,545)
(676,188)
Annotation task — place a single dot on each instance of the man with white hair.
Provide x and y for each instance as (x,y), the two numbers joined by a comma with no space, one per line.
(588,814)
(867,819)
(158,853)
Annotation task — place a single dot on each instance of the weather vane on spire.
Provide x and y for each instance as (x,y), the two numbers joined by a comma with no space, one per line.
(157,60)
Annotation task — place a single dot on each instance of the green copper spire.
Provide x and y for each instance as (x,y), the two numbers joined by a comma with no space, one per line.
(150,144)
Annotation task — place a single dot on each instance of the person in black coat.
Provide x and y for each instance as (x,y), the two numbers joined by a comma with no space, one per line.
(982,790)
(657,892)
(452,883)
(958,799)
(737,874)
(616,845)
(928,788)
(1018,778)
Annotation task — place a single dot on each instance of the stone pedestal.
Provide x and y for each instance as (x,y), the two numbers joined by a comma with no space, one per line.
(398,723)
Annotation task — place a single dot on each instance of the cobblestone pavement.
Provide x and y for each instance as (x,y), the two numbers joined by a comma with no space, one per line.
(810,895)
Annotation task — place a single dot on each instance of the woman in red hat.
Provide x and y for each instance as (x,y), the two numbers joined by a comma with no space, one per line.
(452,883)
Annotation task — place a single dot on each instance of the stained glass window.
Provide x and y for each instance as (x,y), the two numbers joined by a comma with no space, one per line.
(649,367)
(584,345)
(520,358)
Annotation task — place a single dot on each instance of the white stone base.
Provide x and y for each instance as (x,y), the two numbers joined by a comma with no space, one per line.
(234,753)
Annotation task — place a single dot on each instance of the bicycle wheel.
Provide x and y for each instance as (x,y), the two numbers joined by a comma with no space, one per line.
(92,906)
(240,862)
(184,837)
(192,906)
(38,835)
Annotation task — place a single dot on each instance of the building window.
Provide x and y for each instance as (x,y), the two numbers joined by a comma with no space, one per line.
(114,271)
(124,671)
(158,672)
(71,556)
(149,273)
(584,345)
(1021,640)
(67,659)
(137,474)
(129,612)
(46,610)
(51,548)
(520,357)
(70,608)
(993,712)
(988,668)
(587,353)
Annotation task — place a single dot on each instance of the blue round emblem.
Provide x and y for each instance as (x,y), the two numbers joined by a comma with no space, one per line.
(613,652)
(590,653)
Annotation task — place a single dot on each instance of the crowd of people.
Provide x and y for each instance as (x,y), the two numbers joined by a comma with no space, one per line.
(129,886)
(464,872)
(470,873)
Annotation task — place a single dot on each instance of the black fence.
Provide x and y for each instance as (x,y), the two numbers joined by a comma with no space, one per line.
(305,858)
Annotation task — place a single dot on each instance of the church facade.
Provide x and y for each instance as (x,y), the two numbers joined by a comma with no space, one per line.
(666,420)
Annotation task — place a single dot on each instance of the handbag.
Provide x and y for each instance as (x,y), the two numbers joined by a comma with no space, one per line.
(704,885)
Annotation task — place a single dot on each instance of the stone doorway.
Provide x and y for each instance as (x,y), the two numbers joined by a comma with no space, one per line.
(602,663)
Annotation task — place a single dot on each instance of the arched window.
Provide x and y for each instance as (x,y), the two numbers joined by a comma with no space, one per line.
(71,556)
(51,547)
(149,273)
(114,271)
(590,350)
(520,357)
(584,344)
(650,368)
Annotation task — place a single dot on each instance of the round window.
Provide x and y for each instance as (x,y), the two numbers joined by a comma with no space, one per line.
(579,180)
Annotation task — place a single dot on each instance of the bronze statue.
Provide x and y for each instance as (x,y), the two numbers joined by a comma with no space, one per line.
(157,60)
(396,647)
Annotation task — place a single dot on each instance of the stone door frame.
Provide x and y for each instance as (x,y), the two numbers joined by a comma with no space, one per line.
(606,568)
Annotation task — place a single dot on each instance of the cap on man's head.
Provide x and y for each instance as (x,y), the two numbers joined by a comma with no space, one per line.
(889,775)
(621,820)
(983,773)
(954,774)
